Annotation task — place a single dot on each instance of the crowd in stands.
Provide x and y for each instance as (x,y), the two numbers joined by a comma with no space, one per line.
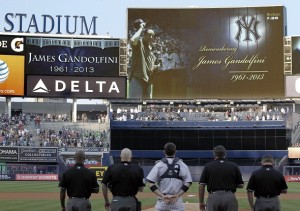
(297,144)
(16,131)
(200,114)
(67,137)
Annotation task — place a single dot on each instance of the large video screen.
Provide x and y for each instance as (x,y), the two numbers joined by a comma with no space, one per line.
(208,53)
(296,54)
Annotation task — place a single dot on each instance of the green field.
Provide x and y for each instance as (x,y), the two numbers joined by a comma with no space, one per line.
(51,203)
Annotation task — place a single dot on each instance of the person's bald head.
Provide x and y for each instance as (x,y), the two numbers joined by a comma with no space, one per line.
(126,155)
(79,156)
(149,36)
(150,32)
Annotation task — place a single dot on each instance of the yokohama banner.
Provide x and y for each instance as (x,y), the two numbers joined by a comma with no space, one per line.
(8,154)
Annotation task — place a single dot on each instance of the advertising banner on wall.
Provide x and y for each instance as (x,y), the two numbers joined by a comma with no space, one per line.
(75,86)
(36,154)
(72,56)
(12,62)
(99,171)
(219,53)
(8,154)
(292,86)
(7,177)
(37,177)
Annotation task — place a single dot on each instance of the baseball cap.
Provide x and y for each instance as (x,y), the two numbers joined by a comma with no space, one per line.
(137,23)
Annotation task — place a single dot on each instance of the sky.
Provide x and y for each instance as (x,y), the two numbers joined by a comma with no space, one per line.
(112,14)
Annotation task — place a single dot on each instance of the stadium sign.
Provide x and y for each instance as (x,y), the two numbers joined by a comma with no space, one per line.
(45,23)
(76,87)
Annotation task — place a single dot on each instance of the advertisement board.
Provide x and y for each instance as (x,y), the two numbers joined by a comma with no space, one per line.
(37,154)
(72,56)
(294,152)
(292,86)
(219,53)
(292,178)
(12,60)
(37,177)
(99,171)
(8,154)
(76,86)
(7,177)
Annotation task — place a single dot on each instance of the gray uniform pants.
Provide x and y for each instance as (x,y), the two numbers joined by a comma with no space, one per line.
(267,204)
(124,203)
(222,201)
(78,204)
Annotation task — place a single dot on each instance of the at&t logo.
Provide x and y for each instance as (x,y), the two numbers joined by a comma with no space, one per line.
(4,71)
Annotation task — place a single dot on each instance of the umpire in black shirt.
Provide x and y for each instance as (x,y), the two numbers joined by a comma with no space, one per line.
(124,180)
(79,182)
(266,183)
(222,177)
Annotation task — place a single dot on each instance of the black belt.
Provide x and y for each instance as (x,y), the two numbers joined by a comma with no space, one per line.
(267,196)
(78,198)
(124,196)
(221,191)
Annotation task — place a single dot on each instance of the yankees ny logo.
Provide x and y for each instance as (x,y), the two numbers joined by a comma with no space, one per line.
(249,24)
